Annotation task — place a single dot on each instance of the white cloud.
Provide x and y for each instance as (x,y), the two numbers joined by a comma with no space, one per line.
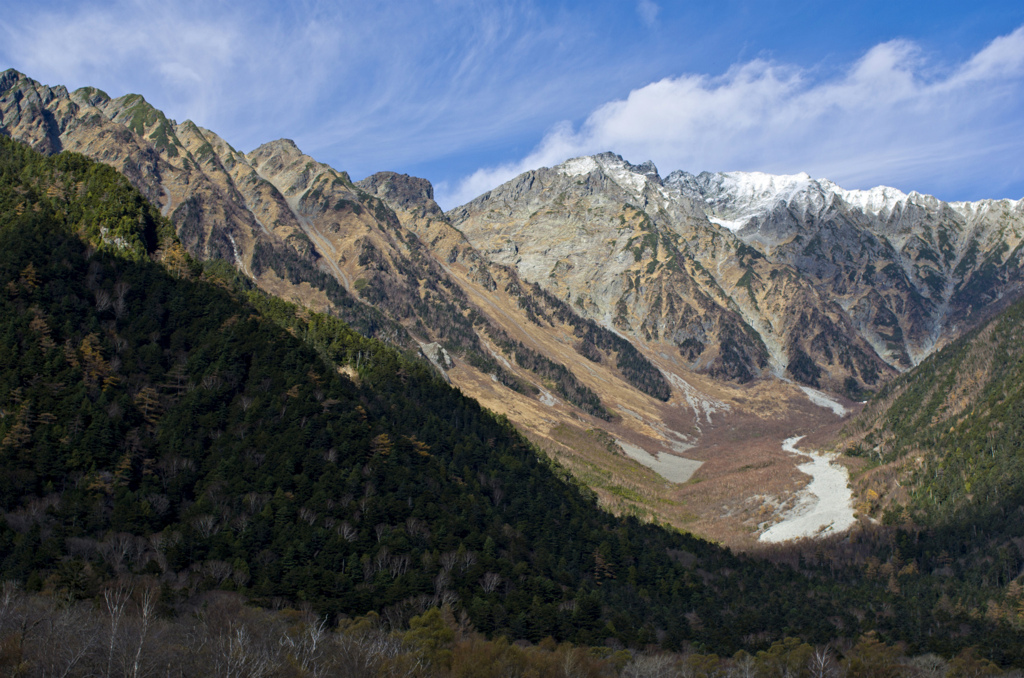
(183,59)
(893,116)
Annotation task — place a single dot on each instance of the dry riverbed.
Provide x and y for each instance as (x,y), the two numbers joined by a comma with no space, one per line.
(823,507)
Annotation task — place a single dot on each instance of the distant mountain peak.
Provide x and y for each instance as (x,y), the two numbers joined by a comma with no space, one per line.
(733,198)
(401,190)
(278,147)
(633,178)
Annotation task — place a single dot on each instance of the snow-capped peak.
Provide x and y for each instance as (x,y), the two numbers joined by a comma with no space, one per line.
(758,189)
(759,192)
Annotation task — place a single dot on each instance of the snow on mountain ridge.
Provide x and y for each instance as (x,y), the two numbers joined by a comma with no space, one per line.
(747,194)
(731,199)
(578,166)
(633,178)
(874,201)
(976,209)
(760,187)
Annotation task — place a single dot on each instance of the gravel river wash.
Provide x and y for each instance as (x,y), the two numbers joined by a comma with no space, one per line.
(823,507)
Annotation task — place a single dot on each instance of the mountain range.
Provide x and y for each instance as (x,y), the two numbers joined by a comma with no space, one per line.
(245,372)
(638,328)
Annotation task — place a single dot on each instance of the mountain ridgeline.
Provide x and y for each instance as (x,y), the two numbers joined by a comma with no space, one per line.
(747,272)
(744,275)
(298,228)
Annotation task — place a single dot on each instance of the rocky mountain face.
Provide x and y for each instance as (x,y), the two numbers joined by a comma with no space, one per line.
(747,272)
(299,228)
(634,252)
(911,272)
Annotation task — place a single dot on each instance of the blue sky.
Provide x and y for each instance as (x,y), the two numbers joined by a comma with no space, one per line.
(921,96)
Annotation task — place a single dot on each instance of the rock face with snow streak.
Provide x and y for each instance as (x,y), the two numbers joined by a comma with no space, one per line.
(910,271)
(636,253)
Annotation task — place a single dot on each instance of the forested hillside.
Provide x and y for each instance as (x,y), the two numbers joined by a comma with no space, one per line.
(943,465)
(161,421)
(953,427)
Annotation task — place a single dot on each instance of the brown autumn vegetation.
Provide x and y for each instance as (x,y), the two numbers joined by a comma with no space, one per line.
(128,632)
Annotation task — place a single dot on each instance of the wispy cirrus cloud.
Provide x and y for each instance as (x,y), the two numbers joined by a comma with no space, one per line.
(364,85)
(893,116)
(128,43)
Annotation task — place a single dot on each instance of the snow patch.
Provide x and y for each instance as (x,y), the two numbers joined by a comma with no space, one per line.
(743,195)
(973,210)
(824,507)
(617,170)
(823,400)
(578,166)
(873,201)
(548,399)
(670,467)
(731,224)
(761,188)
(626,178)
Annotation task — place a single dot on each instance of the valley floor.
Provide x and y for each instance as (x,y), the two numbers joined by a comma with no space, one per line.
(713,460)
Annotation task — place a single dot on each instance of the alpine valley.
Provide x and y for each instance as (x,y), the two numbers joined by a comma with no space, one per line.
(661,339)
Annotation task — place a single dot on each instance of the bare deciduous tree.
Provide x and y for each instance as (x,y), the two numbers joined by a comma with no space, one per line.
(822,663)
(651,666)
(490,582)
(307,647)
(347,532)
(115,600)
